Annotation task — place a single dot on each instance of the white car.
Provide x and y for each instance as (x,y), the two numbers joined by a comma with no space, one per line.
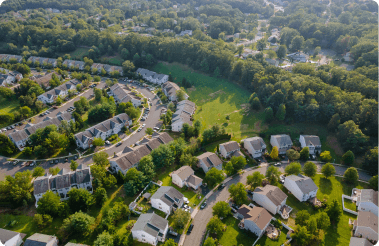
(143,125)
(107,142)
(156,128)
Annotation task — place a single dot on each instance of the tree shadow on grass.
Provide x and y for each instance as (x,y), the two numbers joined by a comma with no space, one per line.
(326,186)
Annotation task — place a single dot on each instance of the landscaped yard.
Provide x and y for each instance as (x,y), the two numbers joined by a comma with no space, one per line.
(265,241)
(350,205)
(234,235)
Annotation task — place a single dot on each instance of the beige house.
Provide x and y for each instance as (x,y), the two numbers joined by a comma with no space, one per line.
(230,149)
(208,160)
(366,226)
(254,219)
(185,176)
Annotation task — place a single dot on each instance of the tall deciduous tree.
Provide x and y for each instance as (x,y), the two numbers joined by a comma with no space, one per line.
(292,154)
(334,211)
(348,158)
(79,199)
(238,193)
(213,177)
(215,226)
(304,154)
(328,170)
(49,204)
(310,169)
(351,175)
(255,179)
(272,174)
(281,113)
(221,209)
(274,153)
(293,168)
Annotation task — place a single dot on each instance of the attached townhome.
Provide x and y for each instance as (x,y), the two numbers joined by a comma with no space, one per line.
(44,80)
(312,142)
(97,66)
(367,200)
(282,142)
(19,138)
(43,61)
(255,146)
(186,106)
(254,219)
(74,64)
(170,89)
(102,130)
(208,160)
(130,158)
(167,199)
(302,187)
(185,176)
(63,182)
(366,226)
(150,228)
(110,69)
(152,77)
(230,149)
(270,197)
(121,95)
(11,238)
(183,114)
(59,91)
(356,241)
(10,58)
(41,240)
(297,56)
(6,79)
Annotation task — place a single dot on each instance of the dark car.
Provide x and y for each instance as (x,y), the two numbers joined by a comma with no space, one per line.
(233,210)
(56,161)
(203,205)
(222,186)
(190,229)
(118,144)
(235,206)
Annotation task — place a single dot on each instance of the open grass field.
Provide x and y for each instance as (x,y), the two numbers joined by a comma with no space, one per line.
(114,60)
(79,53)
(235,236)
(265,241)
(8,106)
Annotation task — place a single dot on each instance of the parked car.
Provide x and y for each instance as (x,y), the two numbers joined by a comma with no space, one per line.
(221,186)
(203,205)
(233,210)
(51,162)
(139,129)
(190,229)
(278,164)
(172,232)
(235,206)
(75,157)
(118,144)
(107,142)
(143,125)
(156,128)
(66,160)
(56,161)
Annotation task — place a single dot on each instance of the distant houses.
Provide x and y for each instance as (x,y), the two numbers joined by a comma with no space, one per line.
(230,149)
(209,160)
(43,61)
(8,77)
(152,77)
(59,91)
(11,58)
(121,95)
(186,32)
(255,146)
(150,228)
(312,142)
(183,114)
(44,80)
(74,64)
(282,142)
(302,187)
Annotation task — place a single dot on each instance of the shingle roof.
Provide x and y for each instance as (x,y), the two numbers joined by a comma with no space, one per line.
(276,195)
(168,195)
(150,223)
(171,88)
(165,138)
(38,240)
(230,146)
(210,159)
(181,116)
(304,183)
(369,195)
(258,215)
(6,235)
(41,185)
(368,219)
(194,180)
(283,140)
(311,140)
(131,158)
(184,172)
(356,241)
(256,142)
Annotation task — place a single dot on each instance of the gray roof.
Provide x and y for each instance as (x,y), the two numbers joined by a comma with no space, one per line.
(69,85)
(186,102)
(369,195)
(170,88)
(368,219)
(210,159)
(6,235)
(311,140)
(150,223)
(194,180)
(39,240)
(256,142)
(283,140)
(184,172)
(41,184)
(304,183)
(181,116)
(356,241)
(230,146)
(276,195)
(168,195)
(131,158)
(164,137)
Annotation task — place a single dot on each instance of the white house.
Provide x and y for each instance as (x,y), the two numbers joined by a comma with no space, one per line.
(255,146)
(185,176)
(312,142)
(208,160)
(178,119)
(121,95)
(152,77)
(167,199)
(41,240)
(283,142)
(270,197)
(170,89)
(254,219)
(74,64)
(367,200)
(186,32)
(63,182)
(366,226)
(102,130)
(302,187)
(150,228)
(43,61)
(356,241)
(59,91)
(11,238)
(230,149)
(19,138)
(186,106)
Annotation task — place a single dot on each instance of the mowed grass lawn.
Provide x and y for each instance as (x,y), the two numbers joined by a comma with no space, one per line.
(8,106)
(234,235)
(79,53)
(265,241)
(215,99)
(337,234)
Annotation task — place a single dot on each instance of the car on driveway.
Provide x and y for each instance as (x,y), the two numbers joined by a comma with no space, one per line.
(235,206)
(222,186)
(56,161)
(233,210)
(156,128)
(203,205)
(172,232)
(278,164)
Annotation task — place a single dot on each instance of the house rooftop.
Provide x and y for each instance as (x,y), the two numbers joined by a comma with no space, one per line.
(168,195)
(283,140)
(312,140)
(184,172)
(38,239)
(256,142)
(304,183)
(210,159)
(276,195)
(356,241)
(368,219)
(6,235)
(230,146)
(369,195)
(151,224)
(258,215)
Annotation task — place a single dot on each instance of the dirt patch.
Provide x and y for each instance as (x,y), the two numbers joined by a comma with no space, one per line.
(216,93)
(333,143)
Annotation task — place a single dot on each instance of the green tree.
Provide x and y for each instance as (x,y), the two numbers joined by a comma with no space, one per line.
(312,225)
(101,158)
(6,92)
(149,131)
(272,174)
(374,182)
(348,158)
(73,165)
(281,113)
(100,196)
(301,235)
(261,44)
(78,223)
(304,154)
(240,50)
(170,242)
(146,166)
(180,95)
(49,204)
(274,153)
(98,94)
(371,160)
(351,175)
(188,160)
(79,199)
(213,177)
(323,221)
(255,179)
(38,171)
(221,209)
(297,43)
(128,67)
(163,156)
(42,220)
(310,169)
(325,156)
(210,242)
(328,170)
(334,211)
(292,154)
(215,226)
(255,103)
(293,168)
(269,115)
(238,193)
(180,218)
(302,217)
(98,142)
(282,51)
(6,145)
(334,122)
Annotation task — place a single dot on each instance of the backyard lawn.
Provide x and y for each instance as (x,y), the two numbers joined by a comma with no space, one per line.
(265,241)
(8,106)
(234,235)
(350,205)
(79,53)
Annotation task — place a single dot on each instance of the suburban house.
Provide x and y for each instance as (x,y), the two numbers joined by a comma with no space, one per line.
(297,56)
(270,197)
(74,64)
(62,183)
(9,58)
(170,89)
(6,79)
(167,199)
(44,80)
(312,142)
(41,240)
(97,66)
(348,57)
(208,160)
(366,226)
(230,149)
(152,77)
(356,241)
(186,32)
(11,238)
(302,187)
(20,137)
(120,95)
(178,119)
(110,69)
(130,158)
(185,176)
(254,219)
(59,91)
(150,228)
(43,61)
(255,146)
(283,142)
(367,200)
(102,130)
